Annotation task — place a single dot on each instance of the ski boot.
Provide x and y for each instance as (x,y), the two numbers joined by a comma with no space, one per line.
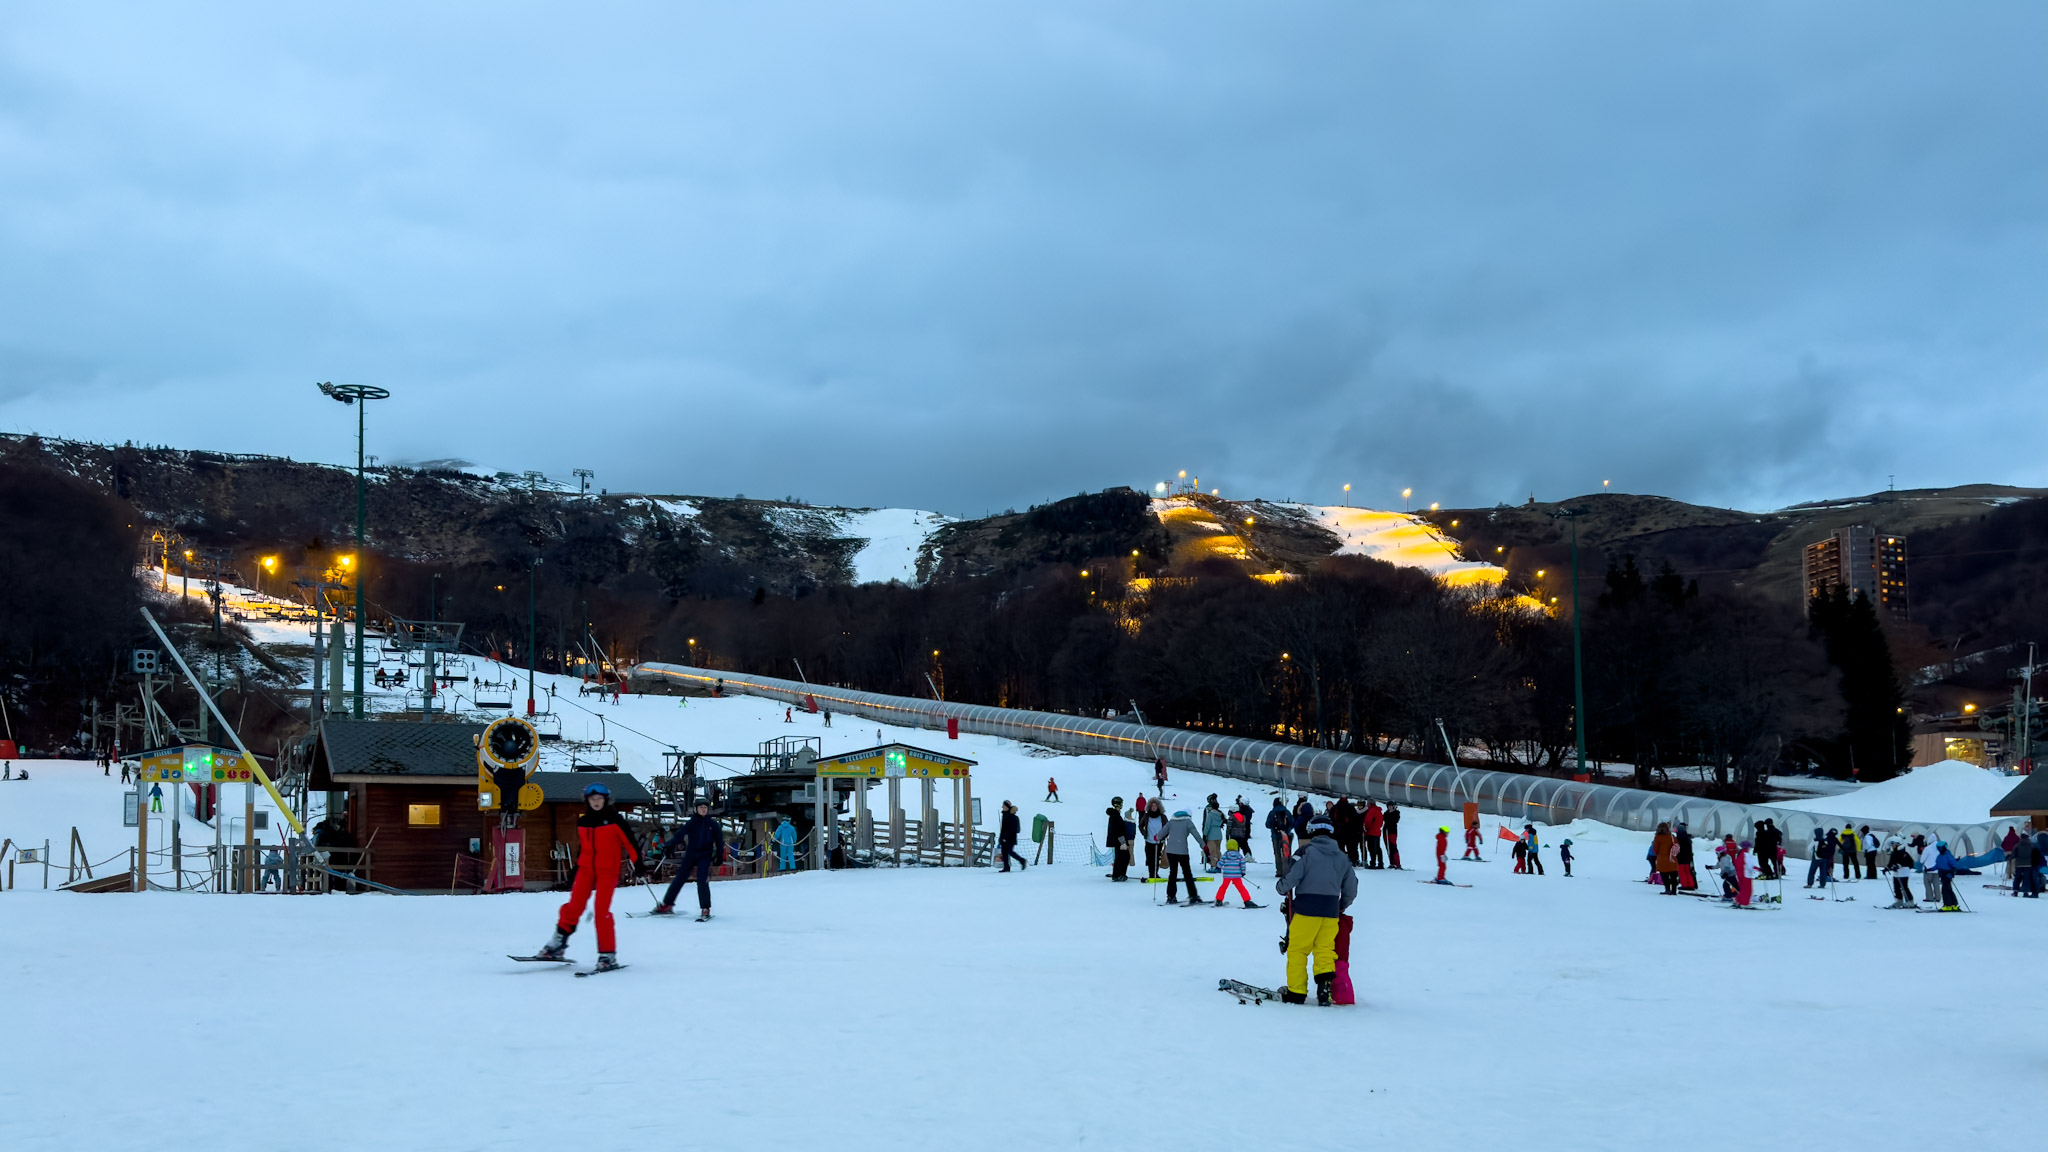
(1288,996)
(606,962)
(1324,982)
(704,915)
(663,910)
(556,948)
(1249,904)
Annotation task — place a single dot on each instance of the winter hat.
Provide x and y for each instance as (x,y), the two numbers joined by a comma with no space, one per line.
(1117,800)
(1181,814)
(1320,826)
(1566,844)
(1445,831)
(1746,845)
(1230,844)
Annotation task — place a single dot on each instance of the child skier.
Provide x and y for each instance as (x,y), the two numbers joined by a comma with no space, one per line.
(1898,867)
(1443,853)
(1564,855)
(1521,853)
(1232,866)
(1471,840)
(603,842)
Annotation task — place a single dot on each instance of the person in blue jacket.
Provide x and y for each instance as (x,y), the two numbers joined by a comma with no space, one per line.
(1945,864)
(785,845)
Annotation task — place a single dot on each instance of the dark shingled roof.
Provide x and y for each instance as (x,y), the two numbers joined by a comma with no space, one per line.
(2029,799)
(442,750)
(567,787)
(398,748)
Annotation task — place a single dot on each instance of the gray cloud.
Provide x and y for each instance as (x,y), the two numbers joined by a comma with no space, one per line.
(971,256)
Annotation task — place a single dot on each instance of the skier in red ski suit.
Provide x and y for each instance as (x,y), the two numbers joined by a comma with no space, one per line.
(1443,853)
(603,842)
(1472,841)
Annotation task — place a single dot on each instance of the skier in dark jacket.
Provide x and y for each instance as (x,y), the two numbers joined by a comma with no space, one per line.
(699,845)
(1390,828)
(1319,885)
(1687,880)
(1279,822)
(1119,844)
(1006,837)
(1344,818)
(1768,838)
(604,841)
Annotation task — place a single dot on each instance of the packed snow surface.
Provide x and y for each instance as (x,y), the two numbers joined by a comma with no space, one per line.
(1402,539)
(917,1008)
(1951,792)
(893,537)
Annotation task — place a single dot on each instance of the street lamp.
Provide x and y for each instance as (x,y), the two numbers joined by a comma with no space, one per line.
(350,394)
(1405,494)
(1347,495)
(270,566)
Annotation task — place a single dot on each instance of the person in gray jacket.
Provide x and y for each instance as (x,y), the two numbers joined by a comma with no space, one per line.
(1319,885)
(1178,830)
(1212,833)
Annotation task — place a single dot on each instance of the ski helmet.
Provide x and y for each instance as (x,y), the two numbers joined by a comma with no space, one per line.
(600,789)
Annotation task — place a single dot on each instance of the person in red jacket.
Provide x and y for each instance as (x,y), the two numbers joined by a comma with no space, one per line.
(603,843)
(1443,853)
(1370,824)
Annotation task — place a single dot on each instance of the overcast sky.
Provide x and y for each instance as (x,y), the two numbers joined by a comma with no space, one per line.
(966,256)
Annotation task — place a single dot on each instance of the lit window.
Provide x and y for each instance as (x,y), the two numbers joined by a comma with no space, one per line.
(423,815)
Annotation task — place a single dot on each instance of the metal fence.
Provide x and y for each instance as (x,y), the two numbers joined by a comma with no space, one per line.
(1513,796)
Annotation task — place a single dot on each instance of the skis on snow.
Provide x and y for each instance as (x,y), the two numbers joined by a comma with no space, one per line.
(1246,993)
(540,959)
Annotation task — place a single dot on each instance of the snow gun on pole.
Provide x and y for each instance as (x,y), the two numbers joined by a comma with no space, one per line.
(248,757)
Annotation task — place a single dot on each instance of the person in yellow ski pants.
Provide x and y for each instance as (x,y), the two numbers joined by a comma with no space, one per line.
(1319,885)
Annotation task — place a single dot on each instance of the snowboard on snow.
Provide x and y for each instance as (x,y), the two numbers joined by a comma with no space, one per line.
(1246,993)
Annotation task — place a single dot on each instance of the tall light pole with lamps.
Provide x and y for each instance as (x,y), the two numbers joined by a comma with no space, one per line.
(352,394)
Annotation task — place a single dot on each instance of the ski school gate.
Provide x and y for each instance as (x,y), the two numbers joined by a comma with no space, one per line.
(1515,796)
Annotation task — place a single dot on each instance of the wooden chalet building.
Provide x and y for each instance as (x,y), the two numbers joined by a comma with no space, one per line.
(412,800)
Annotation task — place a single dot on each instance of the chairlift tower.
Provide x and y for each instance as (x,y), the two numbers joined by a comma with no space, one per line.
(583,478)
(426,637)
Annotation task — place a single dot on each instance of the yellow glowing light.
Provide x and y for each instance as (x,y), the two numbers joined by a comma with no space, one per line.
(1432,506)
(693,641)
(347,560)
(1503,548)
(1539,573)
(1347,487)
(1183,473)
(935,651)
(1454,523)
(1084,572)
(270,561)
(188,553)
(1134,551)
(1407,492)
(1285,656)
(1969,707)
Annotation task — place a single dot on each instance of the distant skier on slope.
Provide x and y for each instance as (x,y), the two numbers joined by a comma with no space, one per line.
(1564,856)
(1472,839)
(1443,853)
(603,842)
(1320,885)
(1535,860)
(1052,791)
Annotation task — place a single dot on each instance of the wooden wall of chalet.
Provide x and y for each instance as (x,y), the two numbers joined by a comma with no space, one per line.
(407,856)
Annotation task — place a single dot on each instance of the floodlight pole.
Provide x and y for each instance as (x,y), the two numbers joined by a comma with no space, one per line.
(530,661)
(351,394)
(1578,649)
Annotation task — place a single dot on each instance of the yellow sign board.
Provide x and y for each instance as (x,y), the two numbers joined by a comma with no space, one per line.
(895,760)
